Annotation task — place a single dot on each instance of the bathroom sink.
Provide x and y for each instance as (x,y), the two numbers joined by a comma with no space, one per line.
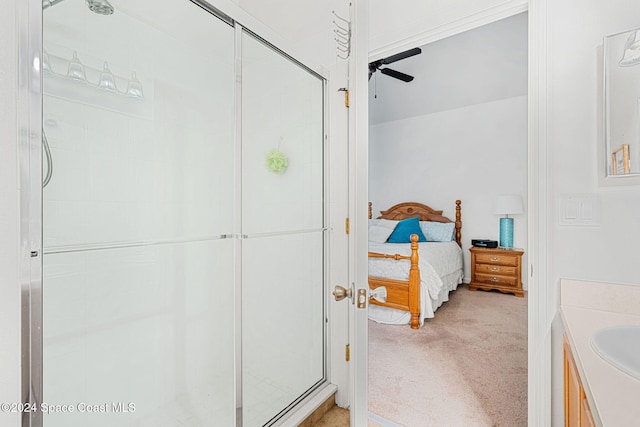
(620,346)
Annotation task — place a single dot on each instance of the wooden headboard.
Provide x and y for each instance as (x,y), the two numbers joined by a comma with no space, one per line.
(425,213)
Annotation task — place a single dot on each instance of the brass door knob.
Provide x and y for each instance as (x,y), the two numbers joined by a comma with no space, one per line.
(340,293)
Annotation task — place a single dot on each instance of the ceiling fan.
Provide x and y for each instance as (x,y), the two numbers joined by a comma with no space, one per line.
(375,66)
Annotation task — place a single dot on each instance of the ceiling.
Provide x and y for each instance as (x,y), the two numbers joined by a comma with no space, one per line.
(485,64)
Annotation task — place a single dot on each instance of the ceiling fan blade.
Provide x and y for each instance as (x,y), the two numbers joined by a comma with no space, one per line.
(401,55)
(396,74)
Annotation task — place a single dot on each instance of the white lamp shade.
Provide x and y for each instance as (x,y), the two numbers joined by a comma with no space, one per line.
(508,205)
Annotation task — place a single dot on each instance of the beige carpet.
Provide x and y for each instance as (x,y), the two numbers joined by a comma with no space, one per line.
(465,367)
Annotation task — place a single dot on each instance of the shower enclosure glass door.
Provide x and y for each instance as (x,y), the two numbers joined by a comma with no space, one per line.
(283,249)
(183,223)
(138,274)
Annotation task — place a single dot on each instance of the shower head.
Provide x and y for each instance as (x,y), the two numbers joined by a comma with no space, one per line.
(101,7)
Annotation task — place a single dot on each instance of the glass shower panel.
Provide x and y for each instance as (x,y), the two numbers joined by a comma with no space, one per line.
(138,281)
(283,335)
(282,142)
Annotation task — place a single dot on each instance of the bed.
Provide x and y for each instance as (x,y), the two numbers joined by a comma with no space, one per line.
(418,276)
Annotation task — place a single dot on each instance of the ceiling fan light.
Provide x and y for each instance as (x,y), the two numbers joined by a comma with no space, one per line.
(375,66)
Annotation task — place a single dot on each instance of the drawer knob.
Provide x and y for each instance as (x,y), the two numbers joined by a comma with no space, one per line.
(495,259)
(494,280)
(495,269)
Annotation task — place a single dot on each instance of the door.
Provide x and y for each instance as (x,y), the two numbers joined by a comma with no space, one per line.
(138,269)
(349,216)
(283,233)
(358,199)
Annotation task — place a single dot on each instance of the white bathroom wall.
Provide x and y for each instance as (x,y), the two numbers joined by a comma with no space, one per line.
(457,131)
(607,251)
(604,252)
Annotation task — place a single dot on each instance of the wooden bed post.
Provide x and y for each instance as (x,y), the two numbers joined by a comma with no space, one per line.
(458,223)
(414,284)
(370,210)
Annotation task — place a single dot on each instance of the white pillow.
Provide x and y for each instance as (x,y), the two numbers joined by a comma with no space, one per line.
(381,229)
(388,223)
(378,234)
(438,231)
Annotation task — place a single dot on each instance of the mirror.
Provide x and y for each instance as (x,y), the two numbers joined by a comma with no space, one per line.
(622,104)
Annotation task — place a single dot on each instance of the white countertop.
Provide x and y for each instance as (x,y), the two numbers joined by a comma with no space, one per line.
(587,307)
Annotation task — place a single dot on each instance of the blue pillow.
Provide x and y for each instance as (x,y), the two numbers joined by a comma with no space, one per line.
(405,228)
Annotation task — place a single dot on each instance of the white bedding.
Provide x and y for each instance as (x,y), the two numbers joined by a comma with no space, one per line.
(441,271)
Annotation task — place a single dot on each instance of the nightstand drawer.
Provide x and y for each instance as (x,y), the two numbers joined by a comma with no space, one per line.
(496,259)
(496,280)
(496,269)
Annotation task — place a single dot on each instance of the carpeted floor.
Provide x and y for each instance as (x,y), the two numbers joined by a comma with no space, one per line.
(465,367)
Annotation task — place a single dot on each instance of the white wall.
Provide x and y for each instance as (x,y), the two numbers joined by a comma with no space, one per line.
(435,159)
(576,37)
(608,252)
(466,134)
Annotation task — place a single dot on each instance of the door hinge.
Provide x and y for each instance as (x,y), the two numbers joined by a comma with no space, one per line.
(346,226)
(347,353)
(346,95)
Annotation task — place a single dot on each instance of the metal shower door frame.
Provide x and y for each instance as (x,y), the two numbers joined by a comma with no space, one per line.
(30,119)
(29,112)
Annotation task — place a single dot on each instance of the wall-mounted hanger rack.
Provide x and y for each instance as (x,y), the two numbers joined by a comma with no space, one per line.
(342,32)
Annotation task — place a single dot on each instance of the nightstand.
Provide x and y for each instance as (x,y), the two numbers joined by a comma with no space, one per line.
(498,268)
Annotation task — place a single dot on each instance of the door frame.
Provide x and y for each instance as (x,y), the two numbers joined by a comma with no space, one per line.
(541,304)
(540,289)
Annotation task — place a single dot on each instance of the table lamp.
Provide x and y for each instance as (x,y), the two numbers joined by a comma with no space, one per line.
(507,205)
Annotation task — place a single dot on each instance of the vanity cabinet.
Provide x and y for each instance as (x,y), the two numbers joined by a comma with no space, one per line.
(577,412)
